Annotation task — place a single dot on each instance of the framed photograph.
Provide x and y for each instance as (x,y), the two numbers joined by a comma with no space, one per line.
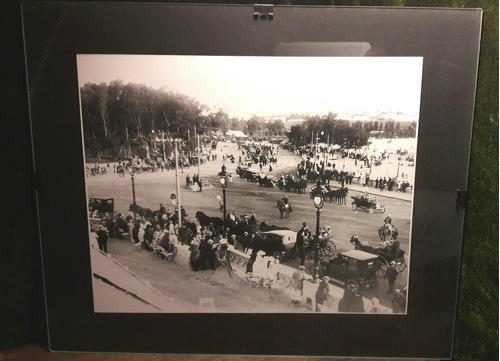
(286,174)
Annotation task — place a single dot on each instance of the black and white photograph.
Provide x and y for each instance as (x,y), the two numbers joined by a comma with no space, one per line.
(245,184)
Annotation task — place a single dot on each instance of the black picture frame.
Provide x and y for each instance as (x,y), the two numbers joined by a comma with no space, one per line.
(448,41)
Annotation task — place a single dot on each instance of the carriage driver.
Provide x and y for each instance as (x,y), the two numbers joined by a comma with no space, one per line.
(366,196)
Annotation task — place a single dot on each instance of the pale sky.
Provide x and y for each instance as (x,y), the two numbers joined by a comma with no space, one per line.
(243,86)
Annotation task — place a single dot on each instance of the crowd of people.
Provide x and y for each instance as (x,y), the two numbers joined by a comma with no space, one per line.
(316,165)
(156,162)
(258,153)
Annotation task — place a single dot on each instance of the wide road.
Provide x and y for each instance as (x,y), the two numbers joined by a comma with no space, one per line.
(244,197)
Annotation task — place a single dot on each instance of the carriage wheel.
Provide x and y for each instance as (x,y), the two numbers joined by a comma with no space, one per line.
(382,267)
(382,210)
(400,264)
(370,210)
(354,206)
(329,249)
(352,285)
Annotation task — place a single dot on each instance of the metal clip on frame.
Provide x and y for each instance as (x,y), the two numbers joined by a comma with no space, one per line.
(263,12)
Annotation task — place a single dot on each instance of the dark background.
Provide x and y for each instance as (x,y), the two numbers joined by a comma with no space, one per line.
(22,318)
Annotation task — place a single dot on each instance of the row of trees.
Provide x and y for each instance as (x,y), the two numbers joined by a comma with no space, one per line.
(350,134)
(117,114)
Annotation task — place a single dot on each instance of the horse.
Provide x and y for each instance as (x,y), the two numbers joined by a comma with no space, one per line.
(289,184)
(143,212)
(386,231)
(206,220)
(264,227)
(186,232)
(339,195)
(300,186)
(342,196)
(361,246)
(284,208)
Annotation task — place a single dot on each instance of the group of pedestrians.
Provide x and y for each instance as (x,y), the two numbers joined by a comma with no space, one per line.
(194,182)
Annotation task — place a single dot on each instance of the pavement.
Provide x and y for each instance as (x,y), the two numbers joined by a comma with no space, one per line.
(404,196)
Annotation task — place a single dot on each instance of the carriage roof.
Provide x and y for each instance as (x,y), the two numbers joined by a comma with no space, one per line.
(359,255)
(286,235)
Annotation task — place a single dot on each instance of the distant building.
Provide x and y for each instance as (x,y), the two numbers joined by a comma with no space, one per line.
(236,134)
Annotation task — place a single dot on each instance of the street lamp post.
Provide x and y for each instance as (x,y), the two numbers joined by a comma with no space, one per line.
(223,182)
(163,143)
(371,166)
(318,203)
(132,173)
(177,187)
(326,151)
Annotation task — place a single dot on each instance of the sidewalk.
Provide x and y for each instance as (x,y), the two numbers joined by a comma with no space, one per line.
(355,186)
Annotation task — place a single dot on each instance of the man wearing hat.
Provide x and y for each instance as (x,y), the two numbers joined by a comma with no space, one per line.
(259,266)
(135,231)
(232,240)
(302,235)
(297,285)
(102,239)
(246,241)
(391,276)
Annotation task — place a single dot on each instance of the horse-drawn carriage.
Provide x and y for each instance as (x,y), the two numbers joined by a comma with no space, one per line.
(338,194)
(367,203)
(388,253)
(326,247)
(322,190)
(102,205)
(268,181)
(252,176)
(392,255)
(242,171)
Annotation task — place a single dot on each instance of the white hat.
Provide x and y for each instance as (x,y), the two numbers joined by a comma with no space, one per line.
(261,253)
